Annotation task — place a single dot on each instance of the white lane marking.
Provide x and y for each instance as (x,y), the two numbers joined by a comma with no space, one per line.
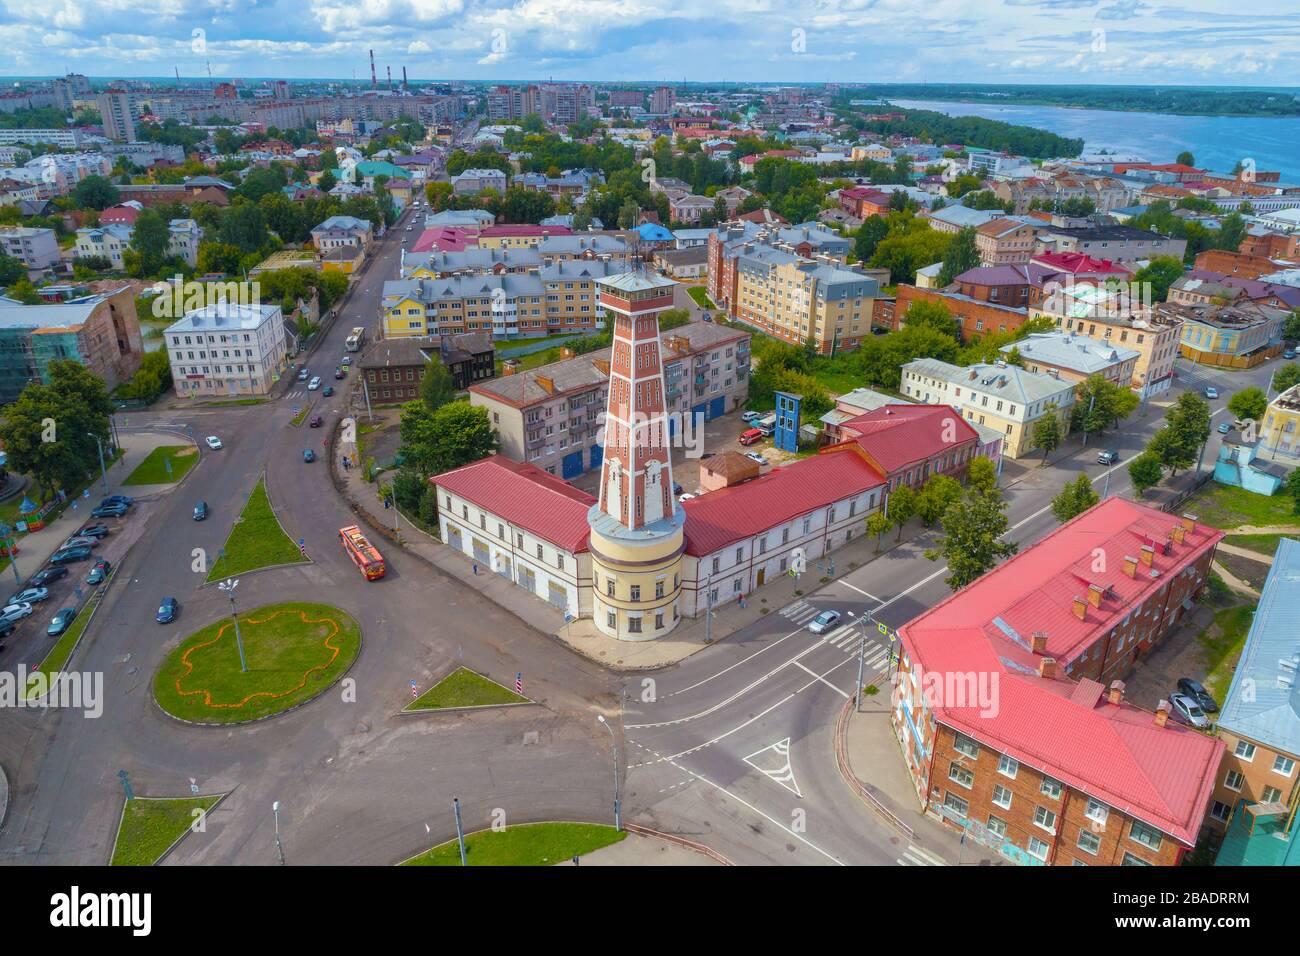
(822,679)
(859,590)
(732,667)
(915,856)
(778,768)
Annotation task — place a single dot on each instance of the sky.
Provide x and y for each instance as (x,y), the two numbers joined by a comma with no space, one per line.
(1186,42)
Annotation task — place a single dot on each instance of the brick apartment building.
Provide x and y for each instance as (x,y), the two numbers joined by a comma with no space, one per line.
(975,316)
(1010,707)
(1004,241)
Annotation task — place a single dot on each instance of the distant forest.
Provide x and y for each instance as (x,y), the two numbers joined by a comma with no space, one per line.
(1146,99)
(939,128)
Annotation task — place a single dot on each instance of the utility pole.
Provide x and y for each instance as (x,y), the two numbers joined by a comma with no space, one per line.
(460,833)
(708,611)
(279,847)
(618,814)
(102,470)
(862,659)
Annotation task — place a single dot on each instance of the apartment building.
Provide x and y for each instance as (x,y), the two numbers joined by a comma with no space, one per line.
(1001,396)
(554,298)
(108,242)
(338,231)
(518,235)
(1255,793)
(120,111)
(392,369)
(662,100)
(794,299)
(36,248)
(1279,433)
(1125,245)
(1005,241)
(473,181)
(551,416)
(227,348)
(472,261)
(1074,358)
(102,332)
(1227,336)
(1009,708)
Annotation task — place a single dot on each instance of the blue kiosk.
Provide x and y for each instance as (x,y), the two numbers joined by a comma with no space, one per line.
(786,434)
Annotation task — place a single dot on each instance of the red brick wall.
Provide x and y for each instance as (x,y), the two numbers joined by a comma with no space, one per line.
(1235,263)
(969,314)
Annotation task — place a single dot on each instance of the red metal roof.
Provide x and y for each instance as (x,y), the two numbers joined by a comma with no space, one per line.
(720,517)
(447,239)
(1116,753)
(525,496)
(896,436)
(1076,262)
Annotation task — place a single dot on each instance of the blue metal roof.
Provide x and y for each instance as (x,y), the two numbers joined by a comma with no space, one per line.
(653,232)
(1263,703)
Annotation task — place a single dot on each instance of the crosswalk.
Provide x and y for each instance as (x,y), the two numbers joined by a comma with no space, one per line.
(915,856)
(297,393)
(800,612)
(844,638)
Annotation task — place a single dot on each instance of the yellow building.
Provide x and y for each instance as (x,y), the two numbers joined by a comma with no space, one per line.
(1279,433)
(793,299)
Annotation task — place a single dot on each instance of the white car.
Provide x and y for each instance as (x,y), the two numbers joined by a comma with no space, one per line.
(15,612)
(314,383)
(685,496)
(213,442)
(756,457)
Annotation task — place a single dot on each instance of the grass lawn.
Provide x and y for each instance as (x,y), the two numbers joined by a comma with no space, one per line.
(58,654)
(1226,507)
(1263,543)
(1222,642)
(463,688)
(301,416)
(294,650)
(150,826)
(530,844)
(256,540)
(701,296)
(153,470)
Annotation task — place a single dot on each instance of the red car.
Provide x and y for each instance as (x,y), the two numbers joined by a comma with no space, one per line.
(315,421)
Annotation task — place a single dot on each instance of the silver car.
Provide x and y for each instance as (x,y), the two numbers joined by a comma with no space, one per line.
(1187,711)
(14,612)
(824,621)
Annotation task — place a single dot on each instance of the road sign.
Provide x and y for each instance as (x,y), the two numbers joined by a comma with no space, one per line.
(414,692)
(194,785)
(302,547)
(882,627)
(519,683)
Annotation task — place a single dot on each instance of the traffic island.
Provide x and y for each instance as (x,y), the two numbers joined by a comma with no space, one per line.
(256,541)
(165,465)
(151,827)
(294,653)
(529,844)
(463,689)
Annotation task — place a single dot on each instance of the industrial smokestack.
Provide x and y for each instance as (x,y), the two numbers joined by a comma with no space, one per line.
(374,83)
(405,89)
(390,79)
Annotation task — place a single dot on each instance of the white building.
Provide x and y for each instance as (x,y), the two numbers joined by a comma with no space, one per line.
(112,240)
(227,348)
(35,248)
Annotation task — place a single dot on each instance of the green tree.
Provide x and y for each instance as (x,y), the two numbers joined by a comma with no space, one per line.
(1249,403)
(1075,498)
(1186,428)
(982,474)
(878,523)
(1291,328)
(971,545)
(1145,471)
(901,507)
(1046,433)
(627,214)
(1101,404)
(1185,158)
(1232,230)
(95,192)
(1286,376)
(11,270)
(437,387)
(244,227)
(1293,489)
(868,236)
(24,292)
(152,378)
(934,315)
(935,496)
(454,435)
(150,238)
(1161,272)
(961,256)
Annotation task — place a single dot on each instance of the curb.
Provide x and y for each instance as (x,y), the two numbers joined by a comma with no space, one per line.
(856,785)
(101,587)
(426,711)
(175,843)
(261,479)
(681,841)
(530,823)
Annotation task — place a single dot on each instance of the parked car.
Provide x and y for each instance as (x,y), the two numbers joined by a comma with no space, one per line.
(1211,392)
(824,621)
(347,361)
(338,372)
(327,391)
(99,572)
(15,612)
(109,511)
(308,455)
(69,555)
(677,488)
(1289,354)
(94,531)
(213,442)
(315,421)
(685,496)
(751,416)
(1194,689)
(751,435)
(304,373)
(1224,428)
(314,383)
(80,540)
(30,596)
(6,628)
(1108,457)
(168,608)
(756,457)
(44,577)
(1186,711)
(61,621)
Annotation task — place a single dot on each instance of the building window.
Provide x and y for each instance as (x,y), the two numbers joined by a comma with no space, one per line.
(611,619)
(1008,766)
(1002,796)
(1220,811)
(1271,795)
(539,552)
(1097,811)
(1246,751)
(964,745)
(1050,788)
(1037,848)
(1089,842)
(634,625)
(1234,780)
(609,587)
(956,804)
(1131,860)
(1045,818)
(961,775)
(998,825)
(1147,836)
(635,591)
(1283,765)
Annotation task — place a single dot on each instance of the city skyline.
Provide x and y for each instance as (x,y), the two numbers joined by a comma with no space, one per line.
(1206,42)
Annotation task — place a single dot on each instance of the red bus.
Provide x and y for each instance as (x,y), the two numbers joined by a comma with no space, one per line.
(363,554)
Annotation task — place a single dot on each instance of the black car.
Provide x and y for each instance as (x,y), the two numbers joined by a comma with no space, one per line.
(201,511)
(43,578)
(93,531)
(69,555)
(1197,692)
(167,610)
(109,511)
(118,500)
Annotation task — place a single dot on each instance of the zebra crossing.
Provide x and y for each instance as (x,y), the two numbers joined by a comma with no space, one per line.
(844,638)
(915,856)
(297,393)
(800,612)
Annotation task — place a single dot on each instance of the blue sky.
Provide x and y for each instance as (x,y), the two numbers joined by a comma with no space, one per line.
(1242,42)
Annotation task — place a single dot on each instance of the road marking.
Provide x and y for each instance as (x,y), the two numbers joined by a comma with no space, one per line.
(732,667)
(780,771)
(915,856)
(859,590)
(822,679)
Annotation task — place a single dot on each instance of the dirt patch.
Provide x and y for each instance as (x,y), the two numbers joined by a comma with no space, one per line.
(1248,570)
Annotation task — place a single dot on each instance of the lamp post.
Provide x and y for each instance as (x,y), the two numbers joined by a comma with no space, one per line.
(863,621)
(102,470)
(279,847)
(228,586)
(618,815)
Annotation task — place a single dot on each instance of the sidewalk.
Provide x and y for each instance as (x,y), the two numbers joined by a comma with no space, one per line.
(638,850)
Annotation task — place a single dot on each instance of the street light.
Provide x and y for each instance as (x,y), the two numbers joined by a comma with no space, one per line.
(862,658)
(279,848)
(102,470)
(618,816)
(228,586)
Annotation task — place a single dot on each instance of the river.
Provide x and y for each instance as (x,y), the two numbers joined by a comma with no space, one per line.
(1217,142)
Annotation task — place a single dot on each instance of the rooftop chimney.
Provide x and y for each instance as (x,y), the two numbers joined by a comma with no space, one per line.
(1038,643)
(1047,668)
(1095,593)
(509,366)
(1162,713)
(1130,565)
(1116,695)
(547,384)
(1080,607)
(1188,521)
(1178,534)
(1147,554)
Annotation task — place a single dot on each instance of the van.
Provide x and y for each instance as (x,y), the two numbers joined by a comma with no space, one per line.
(766,424)
(751,435)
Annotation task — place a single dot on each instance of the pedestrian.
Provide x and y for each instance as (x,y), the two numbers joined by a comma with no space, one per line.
(475,566)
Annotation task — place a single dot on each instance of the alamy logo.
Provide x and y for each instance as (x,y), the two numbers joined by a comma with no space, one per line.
(63,690)
(76,909)
(178,297)
(1088,300)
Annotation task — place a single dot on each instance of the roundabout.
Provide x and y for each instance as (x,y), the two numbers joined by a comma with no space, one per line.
(294,651)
